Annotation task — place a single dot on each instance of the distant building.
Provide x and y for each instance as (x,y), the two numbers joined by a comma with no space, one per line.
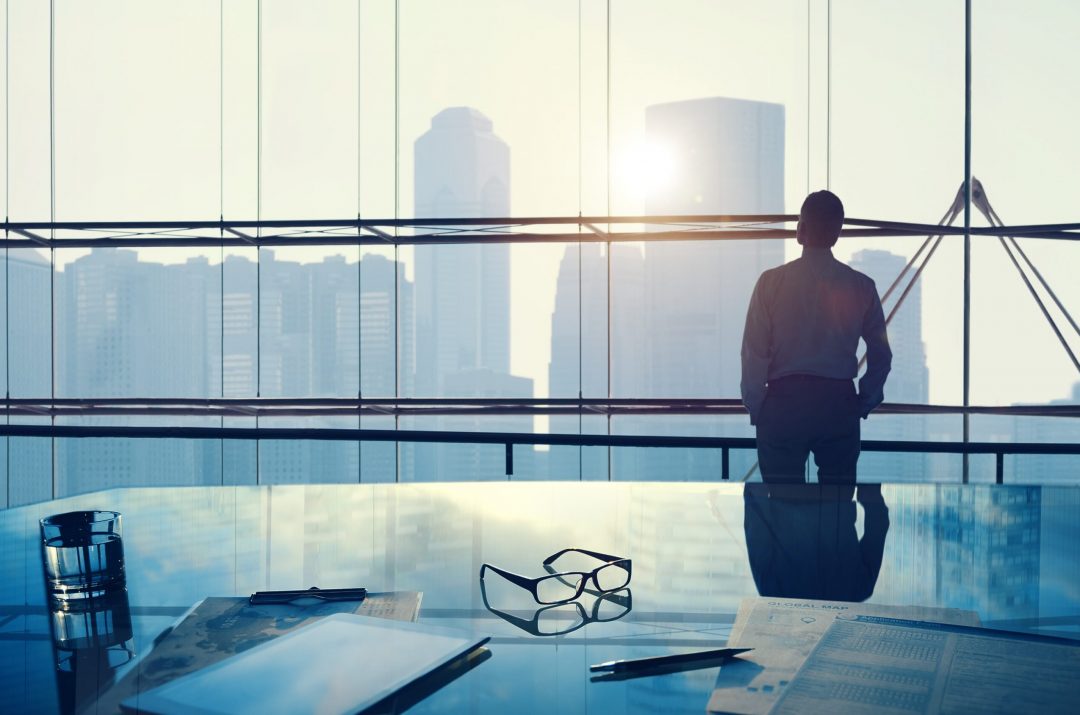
(462,317)
(728,158)
(126,328)
(462,291)
(29,370)
(579,350)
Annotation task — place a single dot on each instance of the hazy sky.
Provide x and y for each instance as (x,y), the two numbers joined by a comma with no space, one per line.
(156,117)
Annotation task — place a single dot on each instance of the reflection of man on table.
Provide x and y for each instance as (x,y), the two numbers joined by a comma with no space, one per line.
(798,354)
(802,543)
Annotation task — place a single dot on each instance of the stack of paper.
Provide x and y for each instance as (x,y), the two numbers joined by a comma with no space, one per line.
(868,665)
(783,632)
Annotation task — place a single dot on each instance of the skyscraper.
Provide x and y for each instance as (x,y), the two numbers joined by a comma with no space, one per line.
(727,157)
(462,169)
(462,291)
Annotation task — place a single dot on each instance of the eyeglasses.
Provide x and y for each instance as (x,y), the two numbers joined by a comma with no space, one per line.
(560,587)
(559,619)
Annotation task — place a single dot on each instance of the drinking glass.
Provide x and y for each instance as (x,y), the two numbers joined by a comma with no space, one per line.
(82,554)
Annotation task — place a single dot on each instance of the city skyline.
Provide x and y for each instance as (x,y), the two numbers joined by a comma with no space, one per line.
(438,322)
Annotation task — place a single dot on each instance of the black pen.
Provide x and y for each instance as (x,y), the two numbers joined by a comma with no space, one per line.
(621,666)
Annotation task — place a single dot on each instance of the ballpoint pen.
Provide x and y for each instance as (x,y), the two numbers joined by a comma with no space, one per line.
(622,666)
(262,598)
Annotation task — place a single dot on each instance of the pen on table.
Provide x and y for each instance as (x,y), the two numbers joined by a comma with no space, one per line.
(621,666)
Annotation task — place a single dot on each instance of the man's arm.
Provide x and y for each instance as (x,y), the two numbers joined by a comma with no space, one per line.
(878,355)
(756,352)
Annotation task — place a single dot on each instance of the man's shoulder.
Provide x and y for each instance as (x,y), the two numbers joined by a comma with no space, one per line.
(771,274)
(858,276)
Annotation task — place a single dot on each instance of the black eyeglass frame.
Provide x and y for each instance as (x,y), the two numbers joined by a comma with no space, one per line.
(532,584)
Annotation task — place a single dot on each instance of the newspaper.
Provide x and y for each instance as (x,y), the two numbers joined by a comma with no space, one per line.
(870,665)
(783,632)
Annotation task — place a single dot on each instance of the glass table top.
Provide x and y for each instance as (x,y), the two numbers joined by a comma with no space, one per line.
(697,550)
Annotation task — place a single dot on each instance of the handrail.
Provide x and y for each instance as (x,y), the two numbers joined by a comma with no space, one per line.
(510,439)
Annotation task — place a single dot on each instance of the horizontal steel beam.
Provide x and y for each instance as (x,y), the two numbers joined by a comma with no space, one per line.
(455,230)
(420,406)
(505,438)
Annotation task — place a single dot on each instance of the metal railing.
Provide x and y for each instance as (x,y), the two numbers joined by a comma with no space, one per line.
(510,439)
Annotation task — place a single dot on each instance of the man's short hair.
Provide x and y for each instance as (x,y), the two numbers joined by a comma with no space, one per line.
(820,219)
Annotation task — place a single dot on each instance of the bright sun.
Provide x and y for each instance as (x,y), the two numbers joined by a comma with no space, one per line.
(645,168)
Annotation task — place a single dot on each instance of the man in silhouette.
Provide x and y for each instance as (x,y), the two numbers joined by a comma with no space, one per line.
(798,354)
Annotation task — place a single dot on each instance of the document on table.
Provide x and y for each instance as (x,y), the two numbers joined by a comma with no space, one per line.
(782,632)
(872,665)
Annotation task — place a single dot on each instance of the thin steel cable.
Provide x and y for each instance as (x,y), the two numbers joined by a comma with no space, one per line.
(607,159)
(907,267)
(581,297)
(946,219)
(397,248)
(908,287)
(1045,285)
(1042,306)
(52,217)
(7,250)
(828,97)
(995,220)
(258,215)
(808,142)
(221,217)
(967,186)
(360,255)
(982,202)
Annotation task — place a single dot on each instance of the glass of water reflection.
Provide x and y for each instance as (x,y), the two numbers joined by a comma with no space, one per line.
(82,554)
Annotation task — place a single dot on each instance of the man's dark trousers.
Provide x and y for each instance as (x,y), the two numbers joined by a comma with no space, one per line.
(804,414)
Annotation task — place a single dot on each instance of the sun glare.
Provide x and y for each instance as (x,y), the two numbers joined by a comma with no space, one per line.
(646,168)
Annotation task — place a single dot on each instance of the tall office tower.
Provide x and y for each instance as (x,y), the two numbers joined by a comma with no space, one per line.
(579,354)
(28,329)
(727,157)
(462,291)
(909,379)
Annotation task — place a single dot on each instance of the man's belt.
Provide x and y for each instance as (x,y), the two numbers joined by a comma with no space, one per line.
(807,378)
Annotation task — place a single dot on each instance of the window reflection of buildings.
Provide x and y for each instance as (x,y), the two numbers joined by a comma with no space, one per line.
(969,547)
(989,553)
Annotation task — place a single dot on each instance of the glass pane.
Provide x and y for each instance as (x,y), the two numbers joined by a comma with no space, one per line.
(1026,162)
(880,89)
(136,138)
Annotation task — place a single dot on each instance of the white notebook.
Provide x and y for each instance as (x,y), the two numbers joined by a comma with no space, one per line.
(341,664)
